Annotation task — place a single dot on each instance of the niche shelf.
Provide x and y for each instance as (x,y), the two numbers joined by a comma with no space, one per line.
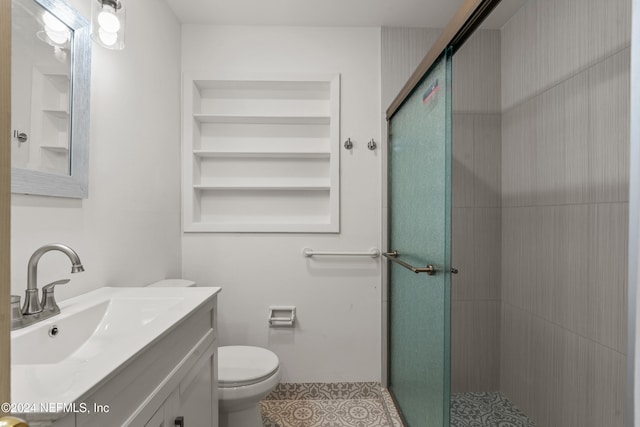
(49,138)
(260,153)
(246,119)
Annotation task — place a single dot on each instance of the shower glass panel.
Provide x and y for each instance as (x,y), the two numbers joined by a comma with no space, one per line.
(420,232)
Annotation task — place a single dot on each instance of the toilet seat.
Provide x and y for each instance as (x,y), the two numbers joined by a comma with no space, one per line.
(244,365)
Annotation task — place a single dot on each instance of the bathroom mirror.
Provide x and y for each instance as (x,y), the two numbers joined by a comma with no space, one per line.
(50,84)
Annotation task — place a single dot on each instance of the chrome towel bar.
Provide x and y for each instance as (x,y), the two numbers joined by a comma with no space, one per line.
(429,269)
(373,253)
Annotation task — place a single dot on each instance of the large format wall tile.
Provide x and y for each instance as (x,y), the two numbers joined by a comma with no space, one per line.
(486,247)
(519,168)
(462,253)
(476,199)
(577,287)
(476,74)
(475,334)
(576,139)
(539,240)
(607,290)
(461,347)
(549,148)
(548,41)
(570,371)
(567,264)
(606,372)
(565,172)
(609,128)
(515,356)
(570,143)
(463,177)
(486,159)
(563,379)
(569,268)
(487,341)
(476,255)
(609,28)
(519,58)
(540,371)
(519,263)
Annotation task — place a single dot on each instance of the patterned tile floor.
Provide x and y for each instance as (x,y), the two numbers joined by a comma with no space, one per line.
(370,405)
(328,405)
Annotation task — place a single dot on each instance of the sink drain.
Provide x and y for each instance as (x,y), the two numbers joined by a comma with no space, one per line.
(53,331)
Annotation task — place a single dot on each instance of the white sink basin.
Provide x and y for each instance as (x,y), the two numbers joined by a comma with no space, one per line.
(96,334)
(35,346)
(96,323)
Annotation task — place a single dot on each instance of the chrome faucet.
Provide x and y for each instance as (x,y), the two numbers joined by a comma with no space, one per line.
(34,310)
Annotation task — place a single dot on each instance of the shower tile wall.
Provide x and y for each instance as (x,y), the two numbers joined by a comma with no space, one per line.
(476,215)
(565,142)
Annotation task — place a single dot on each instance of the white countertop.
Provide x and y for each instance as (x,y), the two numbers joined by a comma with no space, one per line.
(56,373)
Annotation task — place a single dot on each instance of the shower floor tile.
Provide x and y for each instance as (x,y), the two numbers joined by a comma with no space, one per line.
(486,410)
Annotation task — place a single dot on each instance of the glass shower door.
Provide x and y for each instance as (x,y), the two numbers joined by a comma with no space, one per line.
(419,245)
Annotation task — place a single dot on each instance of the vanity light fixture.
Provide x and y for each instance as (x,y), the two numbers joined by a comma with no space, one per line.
(107,23)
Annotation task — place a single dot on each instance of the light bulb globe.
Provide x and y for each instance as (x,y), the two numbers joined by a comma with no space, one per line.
(108,21)
(107,38)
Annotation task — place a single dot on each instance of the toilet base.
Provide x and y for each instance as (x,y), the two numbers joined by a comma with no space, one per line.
(249,417)
(240,406)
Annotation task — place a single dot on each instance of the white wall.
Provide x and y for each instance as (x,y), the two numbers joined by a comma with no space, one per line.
(128,230)
(338,334)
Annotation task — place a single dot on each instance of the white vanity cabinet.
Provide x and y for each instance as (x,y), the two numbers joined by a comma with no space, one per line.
(190,404)
(175,376)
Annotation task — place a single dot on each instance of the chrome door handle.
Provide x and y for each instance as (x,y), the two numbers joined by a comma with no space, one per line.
(393,256)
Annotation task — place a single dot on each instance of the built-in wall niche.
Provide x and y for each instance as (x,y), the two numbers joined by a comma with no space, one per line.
(50,132)
(261,153)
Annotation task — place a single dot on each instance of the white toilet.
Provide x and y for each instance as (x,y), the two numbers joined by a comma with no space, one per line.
(245,376)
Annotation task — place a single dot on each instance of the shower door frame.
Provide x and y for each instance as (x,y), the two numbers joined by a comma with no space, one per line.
(465,21)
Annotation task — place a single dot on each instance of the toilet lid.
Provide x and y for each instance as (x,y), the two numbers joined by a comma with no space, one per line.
(240,365)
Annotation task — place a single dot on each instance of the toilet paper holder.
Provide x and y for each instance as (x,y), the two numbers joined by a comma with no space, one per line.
(282,316)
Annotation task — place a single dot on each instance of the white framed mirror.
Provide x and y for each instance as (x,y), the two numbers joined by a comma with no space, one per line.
(50,92)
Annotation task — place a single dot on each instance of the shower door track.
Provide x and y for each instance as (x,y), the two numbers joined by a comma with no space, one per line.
(466,19)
